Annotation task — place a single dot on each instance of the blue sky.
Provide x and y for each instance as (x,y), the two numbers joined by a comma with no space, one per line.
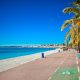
(32,21)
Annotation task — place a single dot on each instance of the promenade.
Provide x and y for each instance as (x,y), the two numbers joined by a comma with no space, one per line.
(46,68)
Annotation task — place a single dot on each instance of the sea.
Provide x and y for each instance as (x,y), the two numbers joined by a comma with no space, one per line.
(6,53)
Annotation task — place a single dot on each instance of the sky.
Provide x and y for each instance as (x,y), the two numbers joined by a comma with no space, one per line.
(32,21)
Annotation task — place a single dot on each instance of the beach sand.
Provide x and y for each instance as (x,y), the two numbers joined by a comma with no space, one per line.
(14,62)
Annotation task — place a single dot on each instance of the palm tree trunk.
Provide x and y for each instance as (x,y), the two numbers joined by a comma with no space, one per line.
(78,39)
(79,47)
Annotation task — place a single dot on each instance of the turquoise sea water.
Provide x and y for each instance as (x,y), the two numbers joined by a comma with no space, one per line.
(6,53)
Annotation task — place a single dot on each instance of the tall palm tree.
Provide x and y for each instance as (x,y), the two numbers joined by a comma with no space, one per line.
(74,22)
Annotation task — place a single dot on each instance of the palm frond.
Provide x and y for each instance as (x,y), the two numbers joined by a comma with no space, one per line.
(76,4)
(76,16)
(66,23)
(67,36)
(71,10)
(72,34)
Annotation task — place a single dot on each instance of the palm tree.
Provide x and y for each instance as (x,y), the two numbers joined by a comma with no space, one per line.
(74,22)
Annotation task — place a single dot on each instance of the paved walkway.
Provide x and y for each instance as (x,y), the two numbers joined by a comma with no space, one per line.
(40,69)
(68,69)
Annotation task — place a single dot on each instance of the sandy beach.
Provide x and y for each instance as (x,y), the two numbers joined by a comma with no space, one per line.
(14,62)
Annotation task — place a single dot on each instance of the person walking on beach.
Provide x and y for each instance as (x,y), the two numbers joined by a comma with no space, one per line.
(42,55)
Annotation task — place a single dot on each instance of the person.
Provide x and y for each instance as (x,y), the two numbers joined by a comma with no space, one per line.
(58,50)
(42,55)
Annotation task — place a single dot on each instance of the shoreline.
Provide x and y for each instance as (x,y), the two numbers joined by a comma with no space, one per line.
(7,64)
